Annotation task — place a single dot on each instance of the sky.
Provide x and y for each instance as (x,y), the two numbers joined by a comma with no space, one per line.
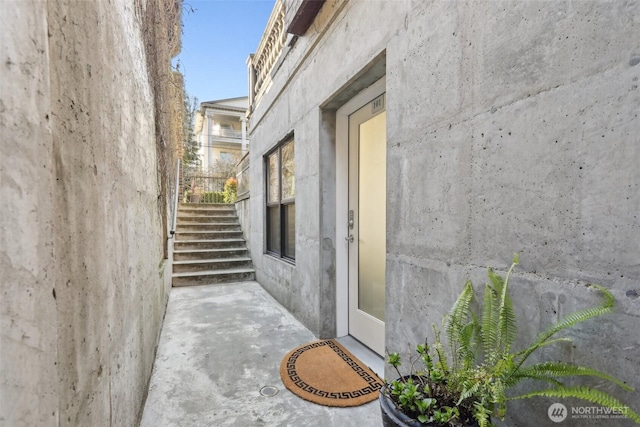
(218,36)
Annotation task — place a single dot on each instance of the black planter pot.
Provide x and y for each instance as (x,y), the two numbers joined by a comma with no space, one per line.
(393,417)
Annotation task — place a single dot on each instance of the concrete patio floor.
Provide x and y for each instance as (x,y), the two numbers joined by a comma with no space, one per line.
(219,346)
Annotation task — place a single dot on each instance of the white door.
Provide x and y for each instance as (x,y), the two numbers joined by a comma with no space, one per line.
(367,222)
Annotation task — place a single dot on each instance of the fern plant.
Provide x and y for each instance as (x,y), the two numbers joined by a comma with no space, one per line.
(472,382)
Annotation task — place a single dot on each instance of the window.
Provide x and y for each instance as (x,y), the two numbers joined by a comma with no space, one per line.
(226,156)
(281,203)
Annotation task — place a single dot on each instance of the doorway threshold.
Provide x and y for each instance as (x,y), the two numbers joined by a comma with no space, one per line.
(373,360)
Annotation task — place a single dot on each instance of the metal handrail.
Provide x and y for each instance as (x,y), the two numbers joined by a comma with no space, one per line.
(176,195)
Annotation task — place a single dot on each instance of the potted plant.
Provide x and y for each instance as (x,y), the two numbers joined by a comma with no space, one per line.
(466,385)
(196,195)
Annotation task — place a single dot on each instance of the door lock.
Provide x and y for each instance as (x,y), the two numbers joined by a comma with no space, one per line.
(349,239)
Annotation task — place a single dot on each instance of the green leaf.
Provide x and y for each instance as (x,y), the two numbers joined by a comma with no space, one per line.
(562,369)
(456,321)
(470,388)
(569,321)
(481,414)
(489,323)
(443,364)
(506,319)
(424,405)
(585,393)
(394,360)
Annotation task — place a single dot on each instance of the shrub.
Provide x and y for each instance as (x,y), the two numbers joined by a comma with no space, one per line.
(213,197)
(230,190)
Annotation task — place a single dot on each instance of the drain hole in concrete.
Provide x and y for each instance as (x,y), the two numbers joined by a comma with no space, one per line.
(268,391)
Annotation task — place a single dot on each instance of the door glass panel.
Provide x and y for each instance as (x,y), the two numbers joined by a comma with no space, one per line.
(372,180)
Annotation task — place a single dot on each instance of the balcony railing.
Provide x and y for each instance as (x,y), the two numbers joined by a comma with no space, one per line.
(268,52)
(227,133)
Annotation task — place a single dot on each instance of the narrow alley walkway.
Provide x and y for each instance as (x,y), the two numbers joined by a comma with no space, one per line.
(219,346)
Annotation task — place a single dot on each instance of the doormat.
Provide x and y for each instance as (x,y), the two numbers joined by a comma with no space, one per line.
(326,373)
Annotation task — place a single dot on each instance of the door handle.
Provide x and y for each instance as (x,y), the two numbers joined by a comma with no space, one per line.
(349,239)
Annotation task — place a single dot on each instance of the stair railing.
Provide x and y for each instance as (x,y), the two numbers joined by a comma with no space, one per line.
(176,196)
(203,185)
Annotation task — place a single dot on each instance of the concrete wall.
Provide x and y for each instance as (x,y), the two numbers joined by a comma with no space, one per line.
(84,283)
(243,207)
(511,127)
(28,313)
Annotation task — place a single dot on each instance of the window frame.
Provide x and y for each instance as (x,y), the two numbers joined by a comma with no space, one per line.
(281,204)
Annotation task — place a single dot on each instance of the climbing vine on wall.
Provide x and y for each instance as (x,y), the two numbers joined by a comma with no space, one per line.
(161,30)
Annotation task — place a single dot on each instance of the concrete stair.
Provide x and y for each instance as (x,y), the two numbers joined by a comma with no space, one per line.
(209,247)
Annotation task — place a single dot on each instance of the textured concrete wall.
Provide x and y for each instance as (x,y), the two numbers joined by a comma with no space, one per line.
(526,140)
(84,281)
(28,313)
(243,208)
(511,127)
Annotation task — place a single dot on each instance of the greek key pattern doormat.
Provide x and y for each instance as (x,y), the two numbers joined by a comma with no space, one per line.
(326,373)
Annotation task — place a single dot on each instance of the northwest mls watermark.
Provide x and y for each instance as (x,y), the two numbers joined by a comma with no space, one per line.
(558,412)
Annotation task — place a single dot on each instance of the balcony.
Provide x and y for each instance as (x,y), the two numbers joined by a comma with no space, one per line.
(262,64)
(227,133)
